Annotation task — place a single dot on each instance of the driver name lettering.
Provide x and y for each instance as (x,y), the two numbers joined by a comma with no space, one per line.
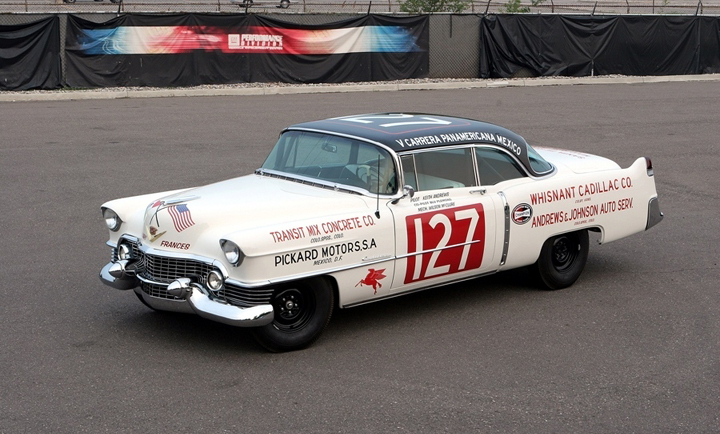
(431,202)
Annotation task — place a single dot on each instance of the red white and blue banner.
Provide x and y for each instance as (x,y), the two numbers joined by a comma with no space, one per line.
(151,50)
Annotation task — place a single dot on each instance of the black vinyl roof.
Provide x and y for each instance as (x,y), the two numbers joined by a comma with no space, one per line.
(404,132)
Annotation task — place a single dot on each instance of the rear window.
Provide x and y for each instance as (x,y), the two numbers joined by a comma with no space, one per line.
(496,166)
(538,164)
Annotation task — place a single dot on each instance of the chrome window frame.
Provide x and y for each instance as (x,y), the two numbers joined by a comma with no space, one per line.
(473,146)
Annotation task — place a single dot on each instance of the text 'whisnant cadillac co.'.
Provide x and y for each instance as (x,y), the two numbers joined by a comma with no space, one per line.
(356,209)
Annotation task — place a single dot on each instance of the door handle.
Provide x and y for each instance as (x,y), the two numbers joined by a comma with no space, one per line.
(480,191)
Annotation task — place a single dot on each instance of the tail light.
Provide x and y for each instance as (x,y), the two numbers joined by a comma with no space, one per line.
(650,171)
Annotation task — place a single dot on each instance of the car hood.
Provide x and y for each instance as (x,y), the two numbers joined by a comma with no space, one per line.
(246,210)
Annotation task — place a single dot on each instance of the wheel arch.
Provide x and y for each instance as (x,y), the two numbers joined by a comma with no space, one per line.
(595,229)
(334,286)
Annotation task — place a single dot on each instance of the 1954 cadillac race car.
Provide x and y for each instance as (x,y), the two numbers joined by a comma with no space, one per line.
(356,209)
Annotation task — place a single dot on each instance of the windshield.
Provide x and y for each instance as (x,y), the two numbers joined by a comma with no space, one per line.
(337,160)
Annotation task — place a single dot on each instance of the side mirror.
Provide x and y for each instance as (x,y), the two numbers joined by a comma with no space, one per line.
(407,191)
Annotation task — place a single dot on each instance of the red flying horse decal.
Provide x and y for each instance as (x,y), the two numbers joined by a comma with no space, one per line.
(373,279)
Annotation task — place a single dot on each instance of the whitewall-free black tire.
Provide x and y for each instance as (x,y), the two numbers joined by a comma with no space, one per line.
(562,260)
(302,310)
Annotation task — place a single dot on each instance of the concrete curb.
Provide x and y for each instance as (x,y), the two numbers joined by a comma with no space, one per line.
(67,95)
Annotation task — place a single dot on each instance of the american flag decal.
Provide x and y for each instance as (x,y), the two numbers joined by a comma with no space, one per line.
(181,217)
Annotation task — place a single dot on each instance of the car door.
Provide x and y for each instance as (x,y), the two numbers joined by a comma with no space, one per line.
(448,230)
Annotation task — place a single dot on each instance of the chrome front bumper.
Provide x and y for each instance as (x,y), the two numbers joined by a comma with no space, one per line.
(115,274)
(121,275)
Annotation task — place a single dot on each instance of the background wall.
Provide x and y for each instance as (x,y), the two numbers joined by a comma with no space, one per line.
(513,45)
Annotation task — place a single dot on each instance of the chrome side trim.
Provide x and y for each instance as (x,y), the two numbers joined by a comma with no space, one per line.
(407,255)
(306,275)
(506,241)
(376,258)
(655,216)
(401,293)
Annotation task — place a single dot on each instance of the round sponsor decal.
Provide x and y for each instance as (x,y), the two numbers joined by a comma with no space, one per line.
(522,214)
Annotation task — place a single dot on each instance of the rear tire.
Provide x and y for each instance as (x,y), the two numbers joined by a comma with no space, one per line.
(562,260)
(302,311)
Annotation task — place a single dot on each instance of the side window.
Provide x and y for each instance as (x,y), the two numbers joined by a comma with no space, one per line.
(408,165)
(495,166)
(449,168)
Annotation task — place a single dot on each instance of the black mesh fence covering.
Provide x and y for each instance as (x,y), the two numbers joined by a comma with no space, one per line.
(317,7)
(458,46)
(30,55)
(555,45)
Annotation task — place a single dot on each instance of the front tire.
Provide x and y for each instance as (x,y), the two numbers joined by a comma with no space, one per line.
(302,311)
(562,260)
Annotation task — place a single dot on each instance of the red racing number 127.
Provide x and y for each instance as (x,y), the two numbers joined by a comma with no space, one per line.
(444,242)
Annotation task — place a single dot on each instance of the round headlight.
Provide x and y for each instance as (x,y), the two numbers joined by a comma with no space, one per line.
(112,220)
(232,252)
(124,252)
(215,281)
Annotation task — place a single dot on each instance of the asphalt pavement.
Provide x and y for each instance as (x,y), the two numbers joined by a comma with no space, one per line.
(632,347)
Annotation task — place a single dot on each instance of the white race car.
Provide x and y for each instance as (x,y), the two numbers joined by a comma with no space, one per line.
(356,209)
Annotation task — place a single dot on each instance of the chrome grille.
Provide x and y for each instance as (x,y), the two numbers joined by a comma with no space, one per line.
(158,291)
(163,270)
(245,297)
